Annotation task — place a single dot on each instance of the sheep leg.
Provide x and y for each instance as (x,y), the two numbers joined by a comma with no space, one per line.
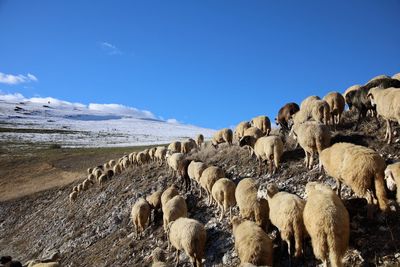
(177,258)
(271,167)
(306,159)
(311,158)
(389,125)
(222,212)
(339,188)
(370,205)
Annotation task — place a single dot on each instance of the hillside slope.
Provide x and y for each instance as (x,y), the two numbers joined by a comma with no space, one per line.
(95,230)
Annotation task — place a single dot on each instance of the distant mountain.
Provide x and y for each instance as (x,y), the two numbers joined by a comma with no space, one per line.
(49,121)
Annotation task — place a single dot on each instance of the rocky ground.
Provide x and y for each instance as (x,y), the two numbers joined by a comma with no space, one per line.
(96,231)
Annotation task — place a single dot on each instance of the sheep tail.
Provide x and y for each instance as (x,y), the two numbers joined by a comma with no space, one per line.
(381,192)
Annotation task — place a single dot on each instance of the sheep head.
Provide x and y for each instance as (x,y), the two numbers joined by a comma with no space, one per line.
(390,182)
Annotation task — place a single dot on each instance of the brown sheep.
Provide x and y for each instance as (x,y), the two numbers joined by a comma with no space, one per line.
(199,140)
(285,115)
(254,132)
(174,147)
(188,145)
(327,222)
(240,128)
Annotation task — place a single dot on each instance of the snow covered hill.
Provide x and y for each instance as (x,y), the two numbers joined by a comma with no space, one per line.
(52,121)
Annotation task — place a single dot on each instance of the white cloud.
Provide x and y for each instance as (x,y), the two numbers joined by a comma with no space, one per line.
(121,110)
(109,109)
(17,79)
(173,121)
(110,48)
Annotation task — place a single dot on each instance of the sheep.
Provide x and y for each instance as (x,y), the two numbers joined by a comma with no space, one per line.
(117,169)
(97,173)
(222,136)
(327,222)
(152,151)
(309,111)
(240,128)
(158,257)
(199,140)
(263,123)
(359,98)
(176,164)
(348,90)
(86,184)
(140,215)
(174,208)
(91,178)
(36,263)
(223,192)
(89,170)
(396,76)
(168,194)
(190,236)
(160,154)
(379,77)
(312,137)
(174,147)
(75,188)
(106,166)
(188,145)
(321,111)
(336,104)
(253,131)
(250,206)
(73,196)
(267,148)
(252,244)
(387,103)
(154,199)
(102,179)
(286,213)
(360,168)
(133,158)
(195,170)
(112,163)
(142,157)
(209,176)
(392,177)
(285,115)
(79,187)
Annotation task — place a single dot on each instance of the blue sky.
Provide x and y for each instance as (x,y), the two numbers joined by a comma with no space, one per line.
(208,63)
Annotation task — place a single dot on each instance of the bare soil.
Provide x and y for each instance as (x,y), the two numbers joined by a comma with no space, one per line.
(96,230)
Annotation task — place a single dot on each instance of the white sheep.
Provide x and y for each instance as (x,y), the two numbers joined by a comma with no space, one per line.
(140,215)
(188,145)
(160,154)
(174,147)
(392,177)
(168,194)
(250,206)
(240,128)
(387,102)
(252,244)
(223,192)
(199,140)
(222,136)
(312,137)
(176,163)
(286,213)
(73,196)
(253,131)
(327,222)
(336,104)
(195,170)
(263,123)
(208,178)
(266,148)
(360,168)
(190,236)
(174,208)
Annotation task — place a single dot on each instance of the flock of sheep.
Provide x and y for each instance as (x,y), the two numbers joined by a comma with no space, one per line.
(322,216)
